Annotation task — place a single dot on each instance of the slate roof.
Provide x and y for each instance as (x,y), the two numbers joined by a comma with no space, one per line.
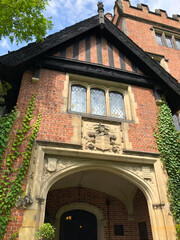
(26,55)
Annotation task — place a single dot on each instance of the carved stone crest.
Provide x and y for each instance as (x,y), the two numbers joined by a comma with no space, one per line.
(102,137)
(51,165)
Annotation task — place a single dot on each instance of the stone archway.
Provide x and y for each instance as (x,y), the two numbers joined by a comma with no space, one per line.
(121,173)
(125,167)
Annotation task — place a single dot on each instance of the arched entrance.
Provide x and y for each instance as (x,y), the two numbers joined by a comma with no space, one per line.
(78,225)
(114,180)
(111,195)
(117,177)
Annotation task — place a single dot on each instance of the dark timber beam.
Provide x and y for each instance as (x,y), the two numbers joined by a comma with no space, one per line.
(94,70)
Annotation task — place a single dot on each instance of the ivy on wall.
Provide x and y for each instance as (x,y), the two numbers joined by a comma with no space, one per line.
(11,187)
(168,142)
(6,123)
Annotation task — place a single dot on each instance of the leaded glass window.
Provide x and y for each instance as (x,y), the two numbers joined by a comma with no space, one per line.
(159,39)
(98,103)
(78,99)
(169,41)
(116,105)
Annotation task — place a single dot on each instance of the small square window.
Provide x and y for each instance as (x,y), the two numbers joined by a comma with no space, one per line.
(118,230)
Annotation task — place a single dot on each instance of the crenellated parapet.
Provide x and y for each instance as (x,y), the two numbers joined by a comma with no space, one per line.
(143,11)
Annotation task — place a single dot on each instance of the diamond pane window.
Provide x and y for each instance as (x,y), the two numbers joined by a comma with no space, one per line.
(98,105)
(78,99)
(159,39)
(116,105)
(169,41)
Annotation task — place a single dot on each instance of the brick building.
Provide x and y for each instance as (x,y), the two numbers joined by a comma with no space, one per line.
(95,171)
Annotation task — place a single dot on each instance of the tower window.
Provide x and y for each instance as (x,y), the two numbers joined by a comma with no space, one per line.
(159,39)
(177,43)
(167,39)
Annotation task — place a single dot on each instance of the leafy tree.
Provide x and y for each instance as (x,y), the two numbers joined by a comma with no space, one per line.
(21,20)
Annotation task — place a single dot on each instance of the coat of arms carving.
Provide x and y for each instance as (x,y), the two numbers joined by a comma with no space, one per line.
(102,137)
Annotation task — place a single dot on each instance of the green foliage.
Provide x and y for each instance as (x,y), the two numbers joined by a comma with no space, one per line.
(11,189)
(6,123)
(178,230)
(23,19)
(168,141)
(4,87)
(46,231)
(14,236)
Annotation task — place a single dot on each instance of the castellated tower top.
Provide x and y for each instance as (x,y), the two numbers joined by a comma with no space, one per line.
(142,10)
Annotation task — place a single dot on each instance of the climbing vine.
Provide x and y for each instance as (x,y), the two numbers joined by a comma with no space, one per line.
(12,178)
(168,141)
(6,123)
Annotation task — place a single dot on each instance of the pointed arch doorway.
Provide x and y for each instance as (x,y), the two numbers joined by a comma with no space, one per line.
(78,225)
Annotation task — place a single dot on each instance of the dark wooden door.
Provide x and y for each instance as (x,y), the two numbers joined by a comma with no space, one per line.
(78,225)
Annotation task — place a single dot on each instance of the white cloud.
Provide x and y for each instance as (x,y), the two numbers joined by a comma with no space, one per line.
(68,12)
(53,8)
(4,44)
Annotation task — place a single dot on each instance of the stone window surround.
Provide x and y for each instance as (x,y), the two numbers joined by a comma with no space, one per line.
(160,59)
(174,36)
(88,82)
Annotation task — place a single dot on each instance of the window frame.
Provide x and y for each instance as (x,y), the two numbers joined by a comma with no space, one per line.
(164,34)
(107,86)
(71,96)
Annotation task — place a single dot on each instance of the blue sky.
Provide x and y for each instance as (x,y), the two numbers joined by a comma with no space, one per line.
(67,12)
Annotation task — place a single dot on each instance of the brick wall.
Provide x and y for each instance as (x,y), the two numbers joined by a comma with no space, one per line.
(117,211)
(55,125)
(141,135)
(139,30)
